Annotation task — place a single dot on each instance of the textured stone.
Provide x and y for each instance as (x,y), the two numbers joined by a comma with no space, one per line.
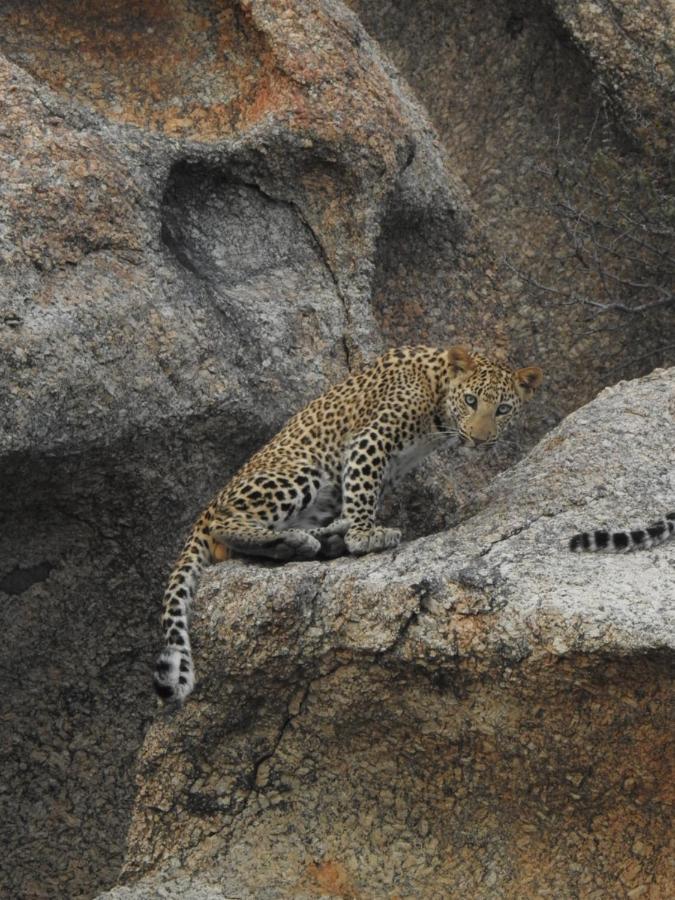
(208,212)
(630,46)
(181,888)
(519,96)
(179,272)
(479,713)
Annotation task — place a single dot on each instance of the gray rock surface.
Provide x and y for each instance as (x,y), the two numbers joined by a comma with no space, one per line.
(519,93)
(478,713)
(181,889)
(630,46)
(170,293)
(160,325)
(208,212)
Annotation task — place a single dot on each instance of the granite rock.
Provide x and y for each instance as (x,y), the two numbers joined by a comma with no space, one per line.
(188,216)
(478,713)
(209,212)
(521,95)
(630,47)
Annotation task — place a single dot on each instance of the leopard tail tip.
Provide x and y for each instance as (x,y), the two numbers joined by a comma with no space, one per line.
(173,678)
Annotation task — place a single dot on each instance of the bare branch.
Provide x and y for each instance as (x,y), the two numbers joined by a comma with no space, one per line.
(617,218)
(642,356)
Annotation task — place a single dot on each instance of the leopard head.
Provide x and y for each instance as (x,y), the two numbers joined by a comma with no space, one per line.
(484,396)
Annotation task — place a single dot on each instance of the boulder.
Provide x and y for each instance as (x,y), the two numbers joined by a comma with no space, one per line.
(630,47)
(208,213)
(188,216)
(550,113)
(478,713)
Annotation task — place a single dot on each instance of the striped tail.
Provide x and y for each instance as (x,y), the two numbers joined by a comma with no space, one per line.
(174,677)
(623,541)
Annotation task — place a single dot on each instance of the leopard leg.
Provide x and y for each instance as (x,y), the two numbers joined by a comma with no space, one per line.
(336,527)
(362,480)
(363,539)
(253,539)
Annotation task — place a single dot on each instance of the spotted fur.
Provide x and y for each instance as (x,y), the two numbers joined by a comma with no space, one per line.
(313,490)
(623,541)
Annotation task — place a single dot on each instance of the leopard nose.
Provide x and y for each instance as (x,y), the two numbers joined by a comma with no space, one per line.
(479,440)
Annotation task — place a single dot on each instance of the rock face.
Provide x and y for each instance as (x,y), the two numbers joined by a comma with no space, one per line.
(208,213)
(521,94)
(630,47)
(184,261)
(480,713)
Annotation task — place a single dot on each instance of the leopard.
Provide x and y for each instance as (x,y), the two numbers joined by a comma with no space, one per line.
(638,538)
(313,490)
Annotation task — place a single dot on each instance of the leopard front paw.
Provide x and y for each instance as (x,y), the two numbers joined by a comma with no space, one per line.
(360,541)
(296,544)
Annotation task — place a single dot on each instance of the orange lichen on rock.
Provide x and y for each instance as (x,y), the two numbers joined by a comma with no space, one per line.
(161,66)
(330,877)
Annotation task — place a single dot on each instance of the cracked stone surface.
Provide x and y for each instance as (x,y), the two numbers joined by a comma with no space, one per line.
(478,713)
(209,211)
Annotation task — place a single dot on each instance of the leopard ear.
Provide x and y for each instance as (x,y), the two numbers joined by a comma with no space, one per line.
(460,360)
(528,380)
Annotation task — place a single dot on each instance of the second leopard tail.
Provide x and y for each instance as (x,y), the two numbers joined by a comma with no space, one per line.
(622,541)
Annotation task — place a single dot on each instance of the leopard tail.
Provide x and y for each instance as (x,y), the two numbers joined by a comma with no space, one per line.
(623,541)
(174,676)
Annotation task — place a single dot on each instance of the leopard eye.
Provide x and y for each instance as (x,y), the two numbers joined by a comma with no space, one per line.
(503,409)
(471,400)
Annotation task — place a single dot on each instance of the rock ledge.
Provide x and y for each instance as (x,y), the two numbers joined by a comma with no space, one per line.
(480,713)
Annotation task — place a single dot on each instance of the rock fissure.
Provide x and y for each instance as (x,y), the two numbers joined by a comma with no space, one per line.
(518,530)
(253,778)
(346,338)
(410,619)
(313,600)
